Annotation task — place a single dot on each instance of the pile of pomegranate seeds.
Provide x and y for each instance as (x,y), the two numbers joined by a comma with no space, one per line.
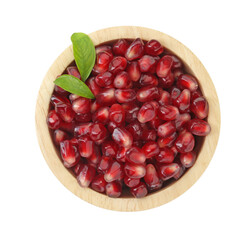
(140,130)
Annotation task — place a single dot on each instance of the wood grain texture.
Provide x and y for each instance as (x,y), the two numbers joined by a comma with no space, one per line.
(192,64)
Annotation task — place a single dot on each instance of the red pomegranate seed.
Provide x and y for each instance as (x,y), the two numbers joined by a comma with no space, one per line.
(153,48)
(151,178)
(175,92)
(99,184)
(73,97)
(135,129)
(56,98)
(134,72)
(155,123)
(148,79)
(115,172)
(69,153)
(125,95)
(94,106)
(86,175)
(174,150)
(68,127)
(53,120)
(168,171)
(179,173)
(106,97)
(131,111)
(135,155)
(103,60)
(149,135)
(97,131)
(188,159)
(73,71)
(185,142)
(81,105)
(104,164)
(95,157)
(120,47)
(131,182)
(166,155)
(60,136)
(168,113)
(83,118)
(168,141)
(65,112)
(61,91)
(186,81)
(147,93)
(101,115)
(168,81)
(139,191)
(176,61)
(86,146)
(183,100)
(166,129)
(151,149)
(164,99)
(112,126)
(182,120)
(198,127)
(121,154)
(104,79)
(135,50)
(121,80)
(146,63)
(117,114)
(78,167)
(199,107)
(134,170)
(117,64)
(195,95)
(147,112)
(95,89)
(109,148)
(164,66)
(114,189)
(177,72)
(103,48)
(82,129)
(122,137)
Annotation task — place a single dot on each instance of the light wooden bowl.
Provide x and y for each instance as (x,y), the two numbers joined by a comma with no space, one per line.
(192,65)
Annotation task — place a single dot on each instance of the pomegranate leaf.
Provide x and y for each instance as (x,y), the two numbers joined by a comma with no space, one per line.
(84,53)
(74,85)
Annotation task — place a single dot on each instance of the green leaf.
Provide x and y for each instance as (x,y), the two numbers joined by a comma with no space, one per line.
(84,53)
(74,85)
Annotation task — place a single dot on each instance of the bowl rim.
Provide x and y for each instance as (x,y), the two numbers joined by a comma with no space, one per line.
(193,65)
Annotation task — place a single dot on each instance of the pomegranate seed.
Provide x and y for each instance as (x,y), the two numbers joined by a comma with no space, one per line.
(73,97)
(135,50)
(135,129)
(199,107)
(95,157)
(168,113)
(122,137)
(150,149)
(174,150)
(149,135)
(168,171)
(104,79)
(104,48)
(131,111)
(133,70)
(82,129)
(104,164)
(83,118)
(199,127)
(95,89)
(115,172)
(65,112)
(109,149)
(186,81)
(188,159)
(147,112)
(97,131)
(175,92)
(135,155)
(155,123)
(73,71)
(166,155)
(101,115)
(164,66)
(121,154)
(185,142)
(120,47)
(148,79)
(179,173)
(86,175)
(60,136)
(117,64)
(103,60)
(131,182)
(151,178)
(164,99)
(117,114)
(125,95)
(168,81)
(168,141)
(68,127)
(106,97)
(176,61)
(166,129)
(69,153)
(177,72)
(61,91)
(114,189)
(181,120)
(153,48)
(56,99)
(112,126)
(121,80)
(94,106)
(134,170)
(86,146)
(81,105)
(53,120)
(147,93)
(78,167)
(195,95)
(99,184)
(146,63)
(139,191)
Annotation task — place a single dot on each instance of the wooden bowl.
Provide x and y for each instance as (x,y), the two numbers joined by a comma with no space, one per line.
(192,65)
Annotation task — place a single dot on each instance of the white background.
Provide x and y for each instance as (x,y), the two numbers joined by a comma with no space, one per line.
(35,205)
